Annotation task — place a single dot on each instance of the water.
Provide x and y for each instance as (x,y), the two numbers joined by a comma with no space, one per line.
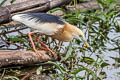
(110,70)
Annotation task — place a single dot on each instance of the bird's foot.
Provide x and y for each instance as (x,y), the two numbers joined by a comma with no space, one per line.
(38,54)
(42,54)
(43,48)
(49,50)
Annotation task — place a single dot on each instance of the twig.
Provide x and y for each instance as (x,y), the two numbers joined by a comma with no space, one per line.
(13,30)
(27,75)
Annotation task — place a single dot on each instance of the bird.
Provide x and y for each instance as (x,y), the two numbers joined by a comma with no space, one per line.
(50,25)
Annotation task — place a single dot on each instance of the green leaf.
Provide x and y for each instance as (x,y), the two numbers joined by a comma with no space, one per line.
(104,64)
(102,75)
(39,70)
(17,40)
(117,59)
(69,52)
(81,11)
(88,60)
(11,78)
(67,15)
(78,70)
(12,1)
(101,2)
(61,76)
(2,2)
(114,49)
(102,17)
(57,66)
(55,9)
(75,77)
(118,73)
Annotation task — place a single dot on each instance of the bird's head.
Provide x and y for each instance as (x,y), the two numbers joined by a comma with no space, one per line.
(79,35)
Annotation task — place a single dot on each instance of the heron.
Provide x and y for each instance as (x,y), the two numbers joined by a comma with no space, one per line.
(50,25)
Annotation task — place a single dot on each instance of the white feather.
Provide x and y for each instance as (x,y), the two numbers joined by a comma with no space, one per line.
(44,28)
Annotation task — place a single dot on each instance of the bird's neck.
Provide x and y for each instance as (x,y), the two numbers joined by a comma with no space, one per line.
(71,29)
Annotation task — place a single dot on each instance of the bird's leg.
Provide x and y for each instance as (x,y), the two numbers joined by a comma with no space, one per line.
(31,40)
(59,45)
(45,47)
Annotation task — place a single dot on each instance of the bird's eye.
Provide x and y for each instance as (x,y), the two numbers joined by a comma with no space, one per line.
(80,36)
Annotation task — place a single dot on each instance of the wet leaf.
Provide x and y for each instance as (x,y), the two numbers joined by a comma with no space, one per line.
(39,70)
(88,60)
(76,71)
(118,73)
(100,2)
(81,11)
(12,1)
(17,40)
(102,17)
(104,64)
(116,48)
(55,9)
(2,2)
(11,78)
(116,59)
(61,76)
(69,52)
(102,75)
(57,66)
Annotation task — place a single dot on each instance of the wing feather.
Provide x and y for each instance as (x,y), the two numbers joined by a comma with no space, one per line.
(42,22)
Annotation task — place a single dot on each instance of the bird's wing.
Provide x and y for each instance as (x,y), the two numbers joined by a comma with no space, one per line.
(42,22)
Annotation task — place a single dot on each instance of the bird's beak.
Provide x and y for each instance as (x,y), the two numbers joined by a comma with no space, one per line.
(85,42)
(87,45)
